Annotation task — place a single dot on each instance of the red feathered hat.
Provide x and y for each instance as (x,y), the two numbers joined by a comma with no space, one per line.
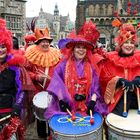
(5,36)
(90,32)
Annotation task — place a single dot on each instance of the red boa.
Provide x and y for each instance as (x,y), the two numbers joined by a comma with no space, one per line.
(72,79)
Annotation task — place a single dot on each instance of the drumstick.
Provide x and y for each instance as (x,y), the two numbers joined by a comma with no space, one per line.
(91,118)
(69,112)
(46,73)
(125,98)
(4,118)
(73,117)
(138,99)
(42,72)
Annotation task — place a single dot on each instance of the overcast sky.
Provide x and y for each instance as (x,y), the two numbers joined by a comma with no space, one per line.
(64,6)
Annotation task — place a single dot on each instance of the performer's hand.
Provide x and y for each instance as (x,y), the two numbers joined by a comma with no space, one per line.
(79,97)
(15,111)
(125,84)
(90,106)
(136,81)
(64,106)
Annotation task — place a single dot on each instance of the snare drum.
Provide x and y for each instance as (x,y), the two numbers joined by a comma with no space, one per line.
(63,128)
(120,128)
(41,101)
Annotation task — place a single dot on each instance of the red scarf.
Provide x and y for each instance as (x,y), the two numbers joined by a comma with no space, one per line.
(72,80)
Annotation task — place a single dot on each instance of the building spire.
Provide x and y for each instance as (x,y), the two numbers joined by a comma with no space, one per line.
(41,9)
(56,11)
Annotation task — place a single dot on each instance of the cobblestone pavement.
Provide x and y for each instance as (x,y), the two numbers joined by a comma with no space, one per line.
(31,133)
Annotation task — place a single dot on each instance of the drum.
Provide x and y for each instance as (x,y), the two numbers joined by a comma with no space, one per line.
(41,101)
(120,128)
(63,128)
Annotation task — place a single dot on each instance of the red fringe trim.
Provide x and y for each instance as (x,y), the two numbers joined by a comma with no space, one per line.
(15,126)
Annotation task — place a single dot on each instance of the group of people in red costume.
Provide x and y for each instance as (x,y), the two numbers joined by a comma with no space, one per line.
(79,76)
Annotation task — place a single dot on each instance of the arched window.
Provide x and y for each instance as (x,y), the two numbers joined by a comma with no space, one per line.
(97,10)
(91,10)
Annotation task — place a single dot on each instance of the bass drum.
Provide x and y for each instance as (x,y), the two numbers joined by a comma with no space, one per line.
(63,128)
(120,128)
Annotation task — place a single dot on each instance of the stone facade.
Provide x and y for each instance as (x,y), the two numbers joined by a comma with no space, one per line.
(13,11)
(101,12)
(59,26)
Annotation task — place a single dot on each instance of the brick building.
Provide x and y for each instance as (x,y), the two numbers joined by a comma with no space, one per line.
(13,11)
(101,12)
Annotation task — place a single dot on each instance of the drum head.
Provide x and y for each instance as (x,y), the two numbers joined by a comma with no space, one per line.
(42,99)
(62,124)
(131,123)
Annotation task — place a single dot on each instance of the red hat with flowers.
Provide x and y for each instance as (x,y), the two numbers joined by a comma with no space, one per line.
(126,32)
(5,36)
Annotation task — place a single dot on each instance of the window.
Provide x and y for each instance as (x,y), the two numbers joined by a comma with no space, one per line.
(1,3)
(13,23)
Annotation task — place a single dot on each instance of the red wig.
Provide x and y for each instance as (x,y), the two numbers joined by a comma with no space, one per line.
(5,36)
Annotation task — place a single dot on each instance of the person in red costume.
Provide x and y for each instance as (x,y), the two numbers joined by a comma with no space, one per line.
(29,40)
(41,60)
(120,74)
(91,34)
(14,84)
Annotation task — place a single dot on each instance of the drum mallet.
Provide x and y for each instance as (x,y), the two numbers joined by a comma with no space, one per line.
(4,118)
(91,118)
(138,99)
(73,117)
(93,98)
(125,98)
